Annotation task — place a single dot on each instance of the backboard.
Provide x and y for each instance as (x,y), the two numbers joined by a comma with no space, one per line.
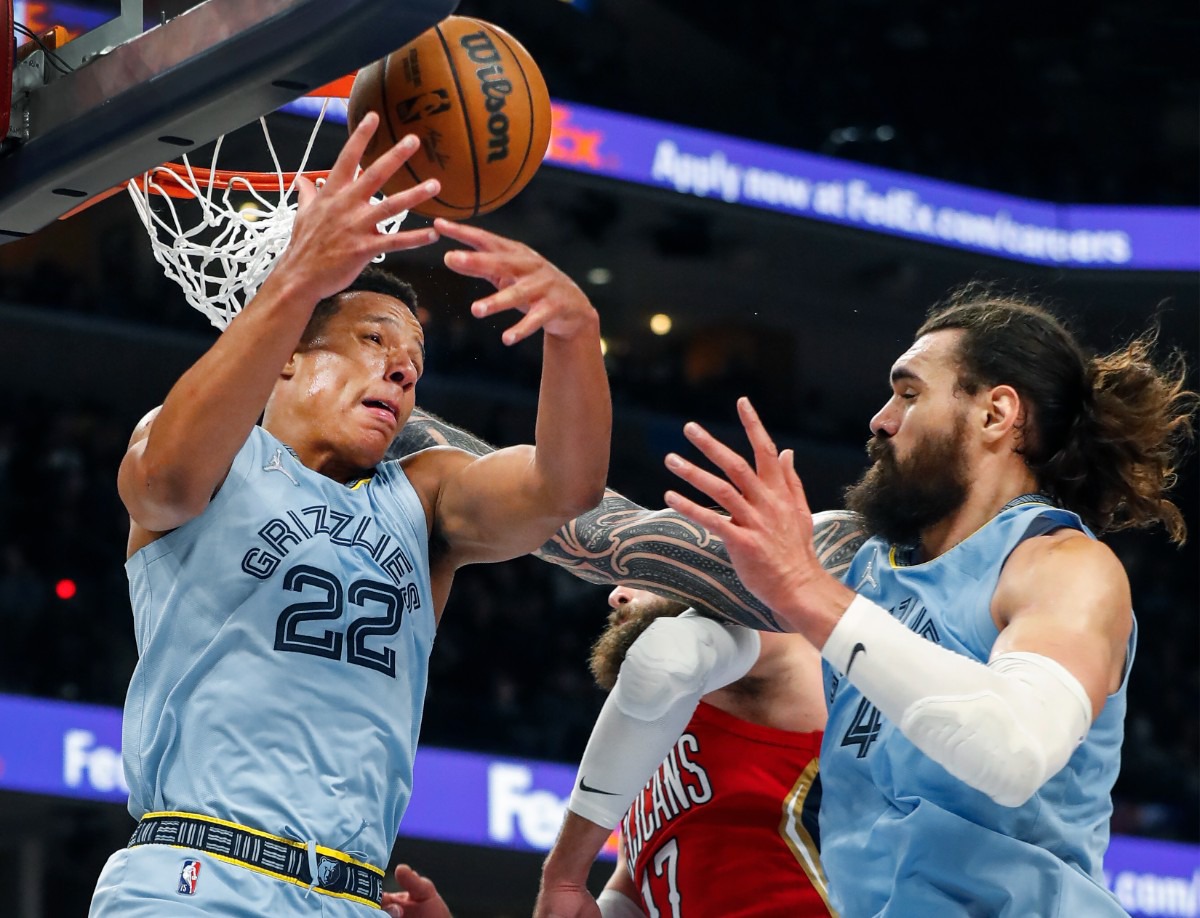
(122,97)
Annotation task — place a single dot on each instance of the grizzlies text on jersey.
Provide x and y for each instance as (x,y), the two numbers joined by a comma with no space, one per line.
(290,627)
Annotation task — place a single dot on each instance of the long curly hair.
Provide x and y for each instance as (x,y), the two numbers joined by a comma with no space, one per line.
(1104,435)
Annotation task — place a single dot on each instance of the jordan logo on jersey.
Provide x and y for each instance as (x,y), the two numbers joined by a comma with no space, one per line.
(189,876)
(867,577)
(276,465)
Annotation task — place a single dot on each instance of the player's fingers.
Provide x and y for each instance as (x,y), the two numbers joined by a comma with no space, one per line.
(513,294)
(530,323)
(475,237)
(346,165)
(717,488)
(497,268)
(395,204)
(466,263)
(735,467)
(416,885)
(305,191)
(765,451)
(394,911)
(376,175)
(402,241)
(714,522)
(787,462)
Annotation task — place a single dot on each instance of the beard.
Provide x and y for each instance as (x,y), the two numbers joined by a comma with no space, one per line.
(624,627)
(899,499)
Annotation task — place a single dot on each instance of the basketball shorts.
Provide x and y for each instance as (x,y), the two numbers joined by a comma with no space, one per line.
(160,881)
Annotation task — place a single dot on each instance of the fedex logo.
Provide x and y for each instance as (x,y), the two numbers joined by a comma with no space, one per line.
(85,760)
(571,145)
(519,812)
(515,809)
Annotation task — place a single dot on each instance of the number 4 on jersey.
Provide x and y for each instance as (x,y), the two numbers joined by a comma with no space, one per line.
(864,729)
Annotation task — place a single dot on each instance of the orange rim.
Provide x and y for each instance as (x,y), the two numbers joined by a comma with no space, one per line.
(173,182)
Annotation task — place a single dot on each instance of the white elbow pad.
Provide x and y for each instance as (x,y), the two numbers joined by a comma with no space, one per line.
(670,666)
(682,657)
(1004,728)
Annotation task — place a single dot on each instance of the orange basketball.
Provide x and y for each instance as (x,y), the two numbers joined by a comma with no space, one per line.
(478,103)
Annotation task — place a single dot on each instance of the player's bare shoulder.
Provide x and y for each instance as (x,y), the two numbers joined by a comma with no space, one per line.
(1064,562)
(428,471)
(837,537)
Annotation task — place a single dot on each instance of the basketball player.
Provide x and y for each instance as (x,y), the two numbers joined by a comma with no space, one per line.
(979,647)
(737,793)
(286,583)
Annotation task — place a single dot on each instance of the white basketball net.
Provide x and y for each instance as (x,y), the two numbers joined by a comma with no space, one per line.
(221,261)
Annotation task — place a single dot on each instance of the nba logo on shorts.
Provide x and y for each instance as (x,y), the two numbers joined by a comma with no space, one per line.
(188,877)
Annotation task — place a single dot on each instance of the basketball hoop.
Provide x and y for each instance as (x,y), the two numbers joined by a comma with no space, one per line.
(221,259)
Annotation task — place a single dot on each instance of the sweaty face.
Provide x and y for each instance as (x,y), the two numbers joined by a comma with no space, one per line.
(354,382)
(632,613)
(920,472)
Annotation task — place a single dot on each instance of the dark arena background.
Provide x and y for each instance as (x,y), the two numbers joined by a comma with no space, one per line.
(761,199)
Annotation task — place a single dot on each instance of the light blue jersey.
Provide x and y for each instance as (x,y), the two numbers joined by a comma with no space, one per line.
(284,637)
(902,837)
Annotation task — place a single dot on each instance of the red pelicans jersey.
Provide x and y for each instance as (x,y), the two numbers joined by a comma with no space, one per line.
(728,824)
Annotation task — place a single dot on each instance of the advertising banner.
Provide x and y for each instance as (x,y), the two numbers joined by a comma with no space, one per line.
(70,750)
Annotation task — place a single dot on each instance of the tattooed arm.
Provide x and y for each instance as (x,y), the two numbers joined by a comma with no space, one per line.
(658,550)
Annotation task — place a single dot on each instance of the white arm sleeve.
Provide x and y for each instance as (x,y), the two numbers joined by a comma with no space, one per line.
(1004,728)
(618,905)
(669,667)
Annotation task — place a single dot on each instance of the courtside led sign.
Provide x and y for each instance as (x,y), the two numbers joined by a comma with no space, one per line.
(72,750)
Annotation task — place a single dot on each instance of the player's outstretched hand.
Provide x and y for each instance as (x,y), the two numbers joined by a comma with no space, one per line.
(567,901)
(418,897)
(769,530)
(337,226)
(525,281)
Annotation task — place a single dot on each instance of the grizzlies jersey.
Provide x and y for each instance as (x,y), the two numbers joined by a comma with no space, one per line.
(734,800)
(900,836)
(284,637)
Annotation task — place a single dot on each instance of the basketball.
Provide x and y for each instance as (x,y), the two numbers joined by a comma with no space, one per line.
(479,105)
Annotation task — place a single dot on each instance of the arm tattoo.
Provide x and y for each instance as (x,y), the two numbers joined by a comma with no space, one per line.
(661,551)
(425,429)
(837,537)
(622,542)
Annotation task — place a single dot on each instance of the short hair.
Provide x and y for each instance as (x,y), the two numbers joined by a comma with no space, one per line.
(372,279)
(1103,435)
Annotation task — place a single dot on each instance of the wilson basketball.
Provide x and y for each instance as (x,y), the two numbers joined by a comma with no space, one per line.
(477,101)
